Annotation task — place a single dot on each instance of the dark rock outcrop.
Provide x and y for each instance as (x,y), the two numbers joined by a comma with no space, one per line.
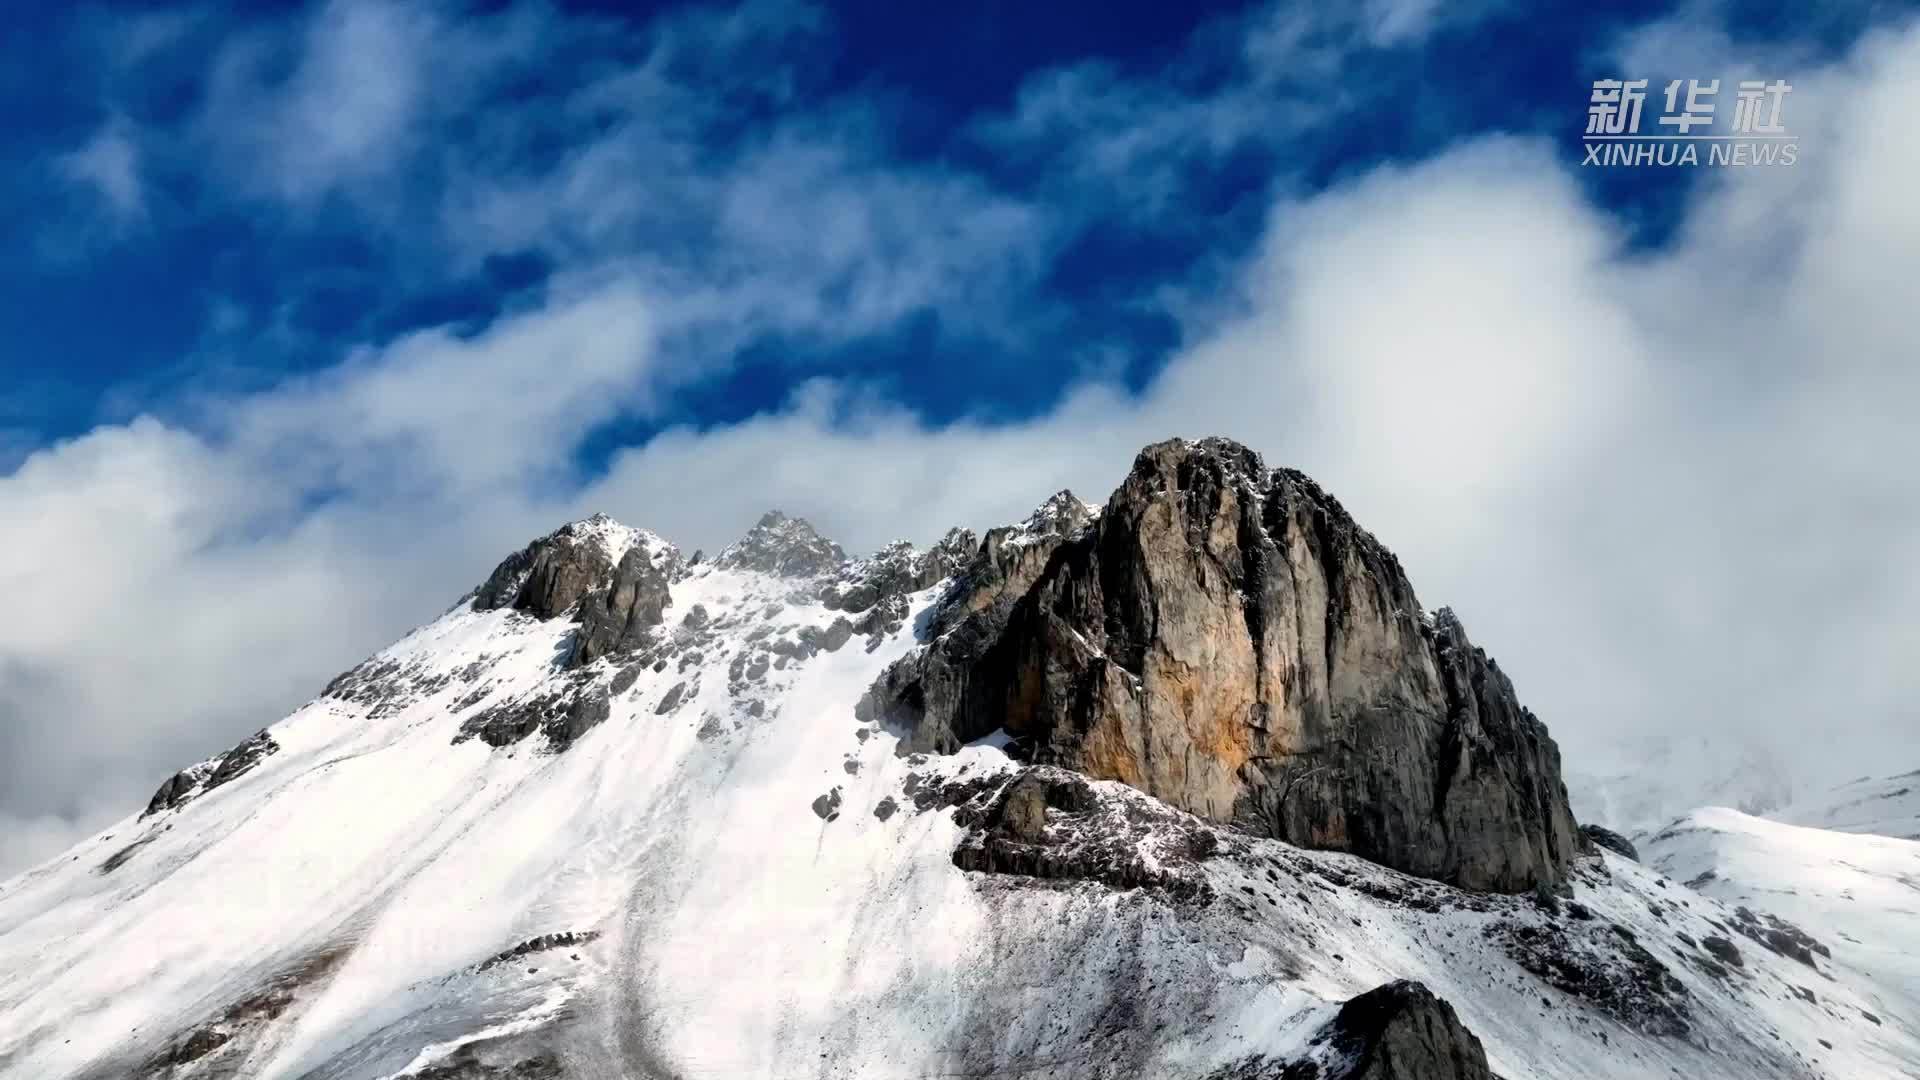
(564,939)
(897,570)
(1612,841)
(1227,639)
(572,569)
(1723,950)
(193,782)
(618,617)
(1602,967)
(781,545)
(1054,826)
(1780,937)
(1401,1031)
(562,716)
(551,574)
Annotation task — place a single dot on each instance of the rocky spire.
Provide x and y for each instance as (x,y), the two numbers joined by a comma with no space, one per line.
(614,580)
(1227,639)
(782,545)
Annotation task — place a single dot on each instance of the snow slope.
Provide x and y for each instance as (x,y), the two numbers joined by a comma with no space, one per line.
(1635,786)
(1887,806)
(730,876)
(1860,894)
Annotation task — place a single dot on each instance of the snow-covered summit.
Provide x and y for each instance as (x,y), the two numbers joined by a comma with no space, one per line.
(1886,805)
(617,539)
(782,545)
(1637,785)
(1858,894)
(1062,514)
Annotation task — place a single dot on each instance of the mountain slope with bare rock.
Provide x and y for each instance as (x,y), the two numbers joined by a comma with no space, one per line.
(1184,786)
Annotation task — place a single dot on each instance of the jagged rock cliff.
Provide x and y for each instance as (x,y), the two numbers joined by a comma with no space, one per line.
(538,837)
(1227,639)
(614,579)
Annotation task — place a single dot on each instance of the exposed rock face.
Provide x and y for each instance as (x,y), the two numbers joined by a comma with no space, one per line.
(1052,825)
(782,545)
(1011,558)
(1612,841)
(896,571)
(617,596)
(563,716)
(1401,1031)
(190,783)
(1226,639)
(549,576)
(617,618)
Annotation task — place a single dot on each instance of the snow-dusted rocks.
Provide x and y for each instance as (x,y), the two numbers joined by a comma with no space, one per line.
(207,775)
(1399,1031)
(1227,639)
(613,580)
(1601,836)
(729,872)
(1827,900)
(782,546)
(557,571)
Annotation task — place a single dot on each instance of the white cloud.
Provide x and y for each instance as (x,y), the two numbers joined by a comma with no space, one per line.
(338,101)
(108,164)
(1394,21)
(1664,488)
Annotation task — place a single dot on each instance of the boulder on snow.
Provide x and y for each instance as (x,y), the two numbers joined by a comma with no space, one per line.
(190,783)
(1612,841)
(1401,1031)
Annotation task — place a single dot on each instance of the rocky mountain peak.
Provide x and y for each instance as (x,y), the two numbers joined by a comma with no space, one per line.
(782,545)
(1227,639)
(1063,514)
(612,579)
(437,867)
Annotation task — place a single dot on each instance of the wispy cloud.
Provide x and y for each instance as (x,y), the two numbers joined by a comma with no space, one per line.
(109,165)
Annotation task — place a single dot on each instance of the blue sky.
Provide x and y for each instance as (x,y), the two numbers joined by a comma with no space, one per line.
(249,215)
(313,311)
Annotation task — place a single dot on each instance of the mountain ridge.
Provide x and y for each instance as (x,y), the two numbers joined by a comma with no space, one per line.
(688,851)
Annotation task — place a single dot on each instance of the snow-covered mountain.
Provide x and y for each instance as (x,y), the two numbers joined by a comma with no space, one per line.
(1858,893)
(1637,785)
(1188,786)
(1884,806)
